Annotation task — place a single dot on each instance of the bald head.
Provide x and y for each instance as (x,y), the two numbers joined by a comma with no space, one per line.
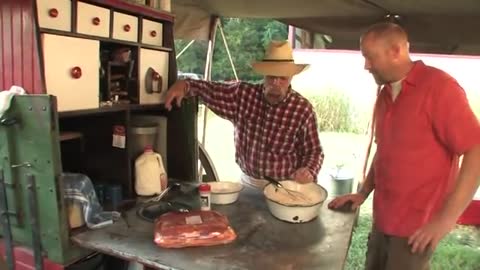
(386,51)
(390,33)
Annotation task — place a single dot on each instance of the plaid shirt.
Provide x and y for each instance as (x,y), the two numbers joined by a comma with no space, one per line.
(272,140)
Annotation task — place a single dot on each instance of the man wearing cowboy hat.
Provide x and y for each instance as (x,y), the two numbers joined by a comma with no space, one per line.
(275,127)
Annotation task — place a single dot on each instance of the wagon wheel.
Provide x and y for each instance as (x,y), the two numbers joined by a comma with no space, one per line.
(207,164)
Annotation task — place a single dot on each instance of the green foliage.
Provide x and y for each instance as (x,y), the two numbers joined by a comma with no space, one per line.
(194,57)
(358,246)
(246,39)
(458,250)
(335,112)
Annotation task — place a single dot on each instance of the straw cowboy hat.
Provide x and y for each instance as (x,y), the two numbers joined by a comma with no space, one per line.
(278,61)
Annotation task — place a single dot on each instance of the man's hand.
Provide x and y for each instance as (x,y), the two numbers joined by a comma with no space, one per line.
(302,176)
(355,199)
(430,234)
(176,92)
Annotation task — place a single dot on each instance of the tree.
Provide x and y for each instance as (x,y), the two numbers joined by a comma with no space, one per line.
(246,39)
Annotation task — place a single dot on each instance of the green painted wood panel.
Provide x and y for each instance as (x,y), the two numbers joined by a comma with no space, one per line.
(34,139)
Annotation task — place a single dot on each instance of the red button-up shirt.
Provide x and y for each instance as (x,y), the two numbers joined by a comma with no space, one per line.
(419,138)
(271,140)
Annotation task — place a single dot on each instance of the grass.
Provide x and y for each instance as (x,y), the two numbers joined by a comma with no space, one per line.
(458,250)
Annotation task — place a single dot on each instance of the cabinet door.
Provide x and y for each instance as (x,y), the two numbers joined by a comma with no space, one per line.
(54,14)
(72,71)
(152,32)
(125,27)
(153,76)
(93,20)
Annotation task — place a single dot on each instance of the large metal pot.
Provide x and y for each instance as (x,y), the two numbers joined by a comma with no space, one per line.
(290,208)
(143,135)
(341,181)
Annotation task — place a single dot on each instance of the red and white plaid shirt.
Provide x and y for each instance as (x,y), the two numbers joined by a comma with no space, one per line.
(271,140)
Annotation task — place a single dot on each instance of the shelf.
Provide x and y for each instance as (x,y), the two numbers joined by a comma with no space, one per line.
(118,64)
(115,77)
(159,48)
(136,44)
(140,107)
(113,109)
(135,9)
(109,109)
(70,135)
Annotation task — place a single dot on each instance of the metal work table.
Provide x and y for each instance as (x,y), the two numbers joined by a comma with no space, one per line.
(263,242)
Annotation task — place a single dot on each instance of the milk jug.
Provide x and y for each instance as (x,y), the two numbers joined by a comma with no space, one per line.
(150,174)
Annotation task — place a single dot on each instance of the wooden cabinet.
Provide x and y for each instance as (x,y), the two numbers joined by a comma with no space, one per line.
(93,20)
(125,27)
(72,71)
(61,45)
(110,55)
(153,76)
(55,14)
(152,33)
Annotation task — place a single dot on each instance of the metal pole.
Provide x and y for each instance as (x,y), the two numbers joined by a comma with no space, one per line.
(4,215)
(228,51)
(36,239)
(208,77)
(184,49)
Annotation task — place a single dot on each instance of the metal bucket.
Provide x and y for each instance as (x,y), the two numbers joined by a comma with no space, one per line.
(341,186)
(341,182)
(142,136)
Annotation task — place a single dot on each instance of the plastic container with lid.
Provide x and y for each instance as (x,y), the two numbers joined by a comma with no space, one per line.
(205,195)
(150,175)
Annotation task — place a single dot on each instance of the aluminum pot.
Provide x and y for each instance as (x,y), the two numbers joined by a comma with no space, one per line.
(341,181)
(291,209)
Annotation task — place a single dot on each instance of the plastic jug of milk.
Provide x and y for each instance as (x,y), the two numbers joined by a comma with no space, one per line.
(150,175)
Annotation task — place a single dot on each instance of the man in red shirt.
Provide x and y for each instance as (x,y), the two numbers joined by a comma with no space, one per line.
(276,131)
(423,124)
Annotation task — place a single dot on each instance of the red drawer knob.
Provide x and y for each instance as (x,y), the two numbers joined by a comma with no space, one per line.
(76,72)
(96,21)
(153,33)
(53,12)
(126,28)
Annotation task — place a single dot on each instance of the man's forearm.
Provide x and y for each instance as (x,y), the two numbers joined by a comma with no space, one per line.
(314,163)
(465,187)
(366,187)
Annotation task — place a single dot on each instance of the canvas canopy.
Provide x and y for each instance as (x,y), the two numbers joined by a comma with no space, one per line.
(434,26)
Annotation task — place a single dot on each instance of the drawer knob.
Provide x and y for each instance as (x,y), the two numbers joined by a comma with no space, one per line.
(126,28)
(96,21)
(53,12)
(153,33)
(76,72)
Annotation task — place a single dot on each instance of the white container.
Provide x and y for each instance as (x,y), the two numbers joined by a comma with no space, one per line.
(205,197)
(288,208)
(225,192)
(150,175)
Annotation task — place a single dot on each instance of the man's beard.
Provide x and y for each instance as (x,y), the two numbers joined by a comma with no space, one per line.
(273,96)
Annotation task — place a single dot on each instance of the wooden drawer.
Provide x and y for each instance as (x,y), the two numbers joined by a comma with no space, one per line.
(55,14)
(152,32)
(125,27)
(70,75)
(93,20)
(153,76)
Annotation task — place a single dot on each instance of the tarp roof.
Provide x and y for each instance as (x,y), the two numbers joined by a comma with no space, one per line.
(434,26)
